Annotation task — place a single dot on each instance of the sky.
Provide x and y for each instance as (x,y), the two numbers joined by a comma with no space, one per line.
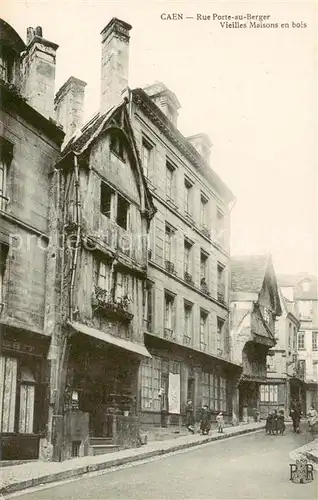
(253,91)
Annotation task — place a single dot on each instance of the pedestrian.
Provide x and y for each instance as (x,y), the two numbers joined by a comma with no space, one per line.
(190,420)
(269,423)
(281,422)
(220,422)
(275,422)
(205,424)
(295,414)
(312,417)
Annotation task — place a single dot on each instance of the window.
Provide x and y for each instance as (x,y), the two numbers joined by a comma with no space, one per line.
(3,260)
(187,196)
(269,393)
(151,373)
(207,391)
(104,276)
(220,335)
(147,151)
(290,335)
(305,308)
(203,211)
(169,312)
(271,363)
(306,286)
(122,212)
(8,392)
(203,266)
(187,259)
(107,196)
(295,338)
(315,371)
(27,398)
(267,314)
(301,340)
(223,394)
(148,309)
(188,319)
(122,285)
(169,243)
(170,180)
(220,227)
(221,284)
(203,328)
(315,341)
(117,145)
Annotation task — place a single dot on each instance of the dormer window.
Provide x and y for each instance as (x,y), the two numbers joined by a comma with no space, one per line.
(116,145)
(306,286)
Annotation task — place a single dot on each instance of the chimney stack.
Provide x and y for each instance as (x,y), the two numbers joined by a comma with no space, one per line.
(38,72)
(165,100)
(69,106)
(115,63)
(202,144)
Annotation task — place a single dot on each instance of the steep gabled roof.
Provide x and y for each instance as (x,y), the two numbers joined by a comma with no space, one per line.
(90,132)
(248,273)
(295,281)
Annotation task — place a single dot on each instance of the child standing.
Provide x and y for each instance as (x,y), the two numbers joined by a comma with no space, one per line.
(220,422)
(281,422)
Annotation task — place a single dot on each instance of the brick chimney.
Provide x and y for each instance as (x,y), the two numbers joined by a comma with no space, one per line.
(38,72)
(69,106)
(115,63)
(165,99)
(202,144)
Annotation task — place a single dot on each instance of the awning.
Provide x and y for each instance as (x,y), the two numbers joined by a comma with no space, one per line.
(110,339)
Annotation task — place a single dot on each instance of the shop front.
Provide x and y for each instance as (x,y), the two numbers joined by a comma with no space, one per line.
(23,393)
(176,374)
(101,388)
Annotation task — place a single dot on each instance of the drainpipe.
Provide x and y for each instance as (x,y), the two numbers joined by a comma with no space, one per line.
(78,235)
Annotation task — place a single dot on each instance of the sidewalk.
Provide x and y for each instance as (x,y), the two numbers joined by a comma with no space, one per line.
(308,451)
(31,474)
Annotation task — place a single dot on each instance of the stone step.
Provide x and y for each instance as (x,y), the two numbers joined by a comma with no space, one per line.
(100,440)
(102,449)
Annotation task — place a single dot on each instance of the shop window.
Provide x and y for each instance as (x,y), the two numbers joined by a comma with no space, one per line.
(223,394)
(269,393)
(8,393)
(122,212)
(315,341)
(151,384)
(27,397)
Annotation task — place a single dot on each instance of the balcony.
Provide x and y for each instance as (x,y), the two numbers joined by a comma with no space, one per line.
(206,232)
(186,340)
(103,302)
(188,278)
(168,334)
(204,287)
(170,267)
(221,293)
(203,346)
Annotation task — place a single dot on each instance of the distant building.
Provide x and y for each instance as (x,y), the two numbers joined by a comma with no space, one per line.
(285,373)
(302,291)
(30,144)
(254,305)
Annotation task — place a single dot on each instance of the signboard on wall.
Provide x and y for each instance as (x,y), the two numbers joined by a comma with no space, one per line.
(174,393)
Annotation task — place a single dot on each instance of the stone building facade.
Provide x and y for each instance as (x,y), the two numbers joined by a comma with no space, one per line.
(30,143)
(301,290)
(285,373)
(255,305)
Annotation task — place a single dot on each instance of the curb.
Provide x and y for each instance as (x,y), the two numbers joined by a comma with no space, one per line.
(85,469)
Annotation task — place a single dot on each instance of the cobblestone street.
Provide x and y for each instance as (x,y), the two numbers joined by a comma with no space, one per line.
(251,466)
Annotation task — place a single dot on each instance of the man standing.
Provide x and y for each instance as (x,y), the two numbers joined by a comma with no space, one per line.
(295,414)
(190,420)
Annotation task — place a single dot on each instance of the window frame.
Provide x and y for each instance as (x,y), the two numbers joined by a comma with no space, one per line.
(301,341)
(204,200)
(170,186)
(146,145)
(314,340)
(169,307)
(188,205)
